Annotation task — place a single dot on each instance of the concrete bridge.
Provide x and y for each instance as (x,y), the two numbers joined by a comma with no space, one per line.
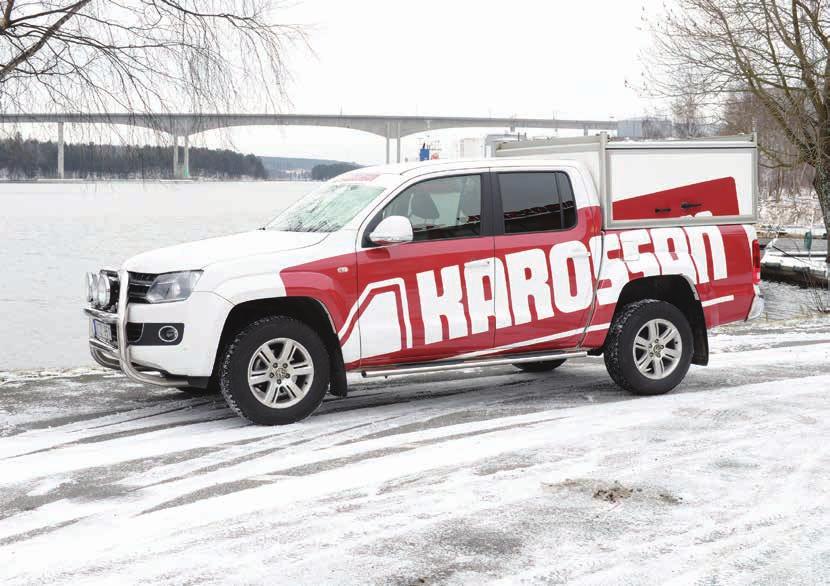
(389,127)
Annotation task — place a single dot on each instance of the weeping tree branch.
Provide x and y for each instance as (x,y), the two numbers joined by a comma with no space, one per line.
(767,57)
(48,34)
(142,55)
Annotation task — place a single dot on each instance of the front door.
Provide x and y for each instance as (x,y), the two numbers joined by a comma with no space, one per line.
(543,251)
(431,298)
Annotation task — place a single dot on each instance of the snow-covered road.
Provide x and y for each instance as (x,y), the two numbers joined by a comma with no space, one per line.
(481,476)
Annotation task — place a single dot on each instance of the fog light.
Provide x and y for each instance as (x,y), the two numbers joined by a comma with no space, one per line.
(168,334)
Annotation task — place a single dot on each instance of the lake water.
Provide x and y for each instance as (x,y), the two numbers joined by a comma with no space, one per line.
(52,234)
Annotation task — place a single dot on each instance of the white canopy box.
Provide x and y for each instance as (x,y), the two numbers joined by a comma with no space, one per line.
(661,183)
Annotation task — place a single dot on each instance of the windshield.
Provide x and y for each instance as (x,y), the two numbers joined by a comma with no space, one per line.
(326,209)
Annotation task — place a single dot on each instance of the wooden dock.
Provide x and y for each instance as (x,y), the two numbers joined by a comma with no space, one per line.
(785,259)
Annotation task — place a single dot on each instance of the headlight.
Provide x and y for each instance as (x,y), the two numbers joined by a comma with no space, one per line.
(172,286)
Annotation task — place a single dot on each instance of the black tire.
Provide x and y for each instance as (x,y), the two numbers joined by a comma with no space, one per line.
(619,347)
(543,366)
(233,377)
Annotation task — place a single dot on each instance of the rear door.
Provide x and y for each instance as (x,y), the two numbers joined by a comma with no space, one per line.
(431,298)
(542,249)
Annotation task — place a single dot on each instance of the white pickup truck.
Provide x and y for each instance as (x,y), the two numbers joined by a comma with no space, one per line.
(553,250)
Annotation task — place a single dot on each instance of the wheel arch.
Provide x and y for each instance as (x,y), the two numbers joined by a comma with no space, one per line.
(308,310)
(680,292)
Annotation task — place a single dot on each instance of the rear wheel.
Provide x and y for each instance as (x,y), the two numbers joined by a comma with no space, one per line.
(543,366)
(275,372)
(649,347)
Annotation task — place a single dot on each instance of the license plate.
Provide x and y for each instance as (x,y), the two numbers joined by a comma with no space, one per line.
(103,331)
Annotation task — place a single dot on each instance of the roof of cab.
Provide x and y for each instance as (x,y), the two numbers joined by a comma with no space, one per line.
(424,167)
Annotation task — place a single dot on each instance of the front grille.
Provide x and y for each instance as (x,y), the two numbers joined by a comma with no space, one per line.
(139,285)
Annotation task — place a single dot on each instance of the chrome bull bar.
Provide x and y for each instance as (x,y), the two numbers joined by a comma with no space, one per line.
(118,357)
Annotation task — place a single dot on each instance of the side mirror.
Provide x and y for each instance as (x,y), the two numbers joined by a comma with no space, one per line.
(392,230)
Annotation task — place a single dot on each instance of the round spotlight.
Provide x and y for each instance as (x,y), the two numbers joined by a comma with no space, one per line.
(103,291)
(168,334)
(94,278)
(91,287)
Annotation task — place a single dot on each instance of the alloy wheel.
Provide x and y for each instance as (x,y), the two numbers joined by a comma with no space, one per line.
(280,373)
(657,349)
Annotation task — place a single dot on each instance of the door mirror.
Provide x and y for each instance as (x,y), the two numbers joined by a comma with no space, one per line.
(392,230)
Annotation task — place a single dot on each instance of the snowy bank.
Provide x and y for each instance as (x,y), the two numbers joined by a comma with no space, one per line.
(484,476)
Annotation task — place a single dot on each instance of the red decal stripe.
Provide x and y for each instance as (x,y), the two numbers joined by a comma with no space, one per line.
(717,196)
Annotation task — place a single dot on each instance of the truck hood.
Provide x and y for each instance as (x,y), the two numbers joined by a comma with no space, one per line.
(200,254)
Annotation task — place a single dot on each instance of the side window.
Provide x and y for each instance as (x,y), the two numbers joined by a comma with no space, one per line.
(449,207)
(537,201)
(566,200)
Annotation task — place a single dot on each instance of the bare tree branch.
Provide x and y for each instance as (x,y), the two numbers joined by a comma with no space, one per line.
(48,33)
(766,64)
(143,55)
(4,24)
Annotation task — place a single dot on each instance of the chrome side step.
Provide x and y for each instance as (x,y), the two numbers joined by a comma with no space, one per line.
(472,363)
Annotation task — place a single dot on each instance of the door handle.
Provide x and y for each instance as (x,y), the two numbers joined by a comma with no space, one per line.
(479,263)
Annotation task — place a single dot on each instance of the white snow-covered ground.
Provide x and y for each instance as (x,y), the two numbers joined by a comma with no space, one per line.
(484,476)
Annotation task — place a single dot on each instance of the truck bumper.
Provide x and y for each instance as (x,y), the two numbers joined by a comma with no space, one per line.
(201,318)
(756,310)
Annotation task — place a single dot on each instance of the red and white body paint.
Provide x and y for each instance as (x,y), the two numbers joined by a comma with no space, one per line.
(492,294)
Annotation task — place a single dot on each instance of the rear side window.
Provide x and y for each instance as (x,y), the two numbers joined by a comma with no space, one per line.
(537,201)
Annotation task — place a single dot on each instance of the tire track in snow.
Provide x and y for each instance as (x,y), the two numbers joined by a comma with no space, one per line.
(414,418)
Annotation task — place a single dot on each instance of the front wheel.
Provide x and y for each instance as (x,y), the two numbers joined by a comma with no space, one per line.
(275,372)
(649,347)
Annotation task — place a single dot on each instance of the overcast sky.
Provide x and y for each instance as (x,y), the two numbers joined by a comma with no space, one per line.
(524,58)
(530,58)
